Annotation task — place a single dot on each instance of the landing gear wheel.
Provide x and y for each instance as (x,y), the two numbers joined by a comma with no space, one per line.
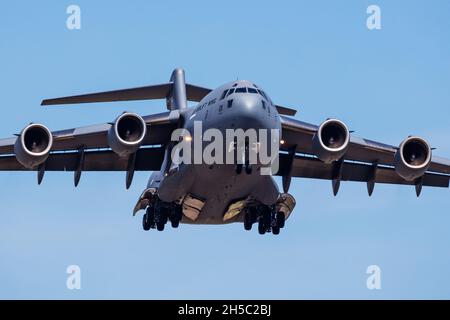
(280,220)
(248,168)
(145,222)
(175,223)
(160,226)
(239,168)
(148,220)
(176,216)
(248,221)
(276,230)
(160,218)
(261,226)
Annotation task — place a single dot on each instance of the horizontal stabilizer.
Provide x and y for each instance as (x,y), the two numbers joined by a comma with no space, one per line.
(285,111)
(159,91)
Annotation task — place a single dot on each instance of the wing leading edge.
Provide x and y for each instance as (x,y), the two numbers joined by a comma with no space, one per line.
(159,128)
(86,149)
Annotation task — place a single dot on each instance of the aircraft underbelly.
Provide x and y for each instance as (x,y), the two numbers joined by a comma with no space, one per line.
(219,186)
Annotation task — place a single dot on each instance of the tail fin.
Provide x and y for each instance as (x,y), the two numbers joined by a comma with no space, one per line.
(177,98)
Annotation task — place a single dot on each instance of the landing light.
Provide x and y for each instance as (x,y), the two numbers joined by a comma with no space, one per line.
(281,141)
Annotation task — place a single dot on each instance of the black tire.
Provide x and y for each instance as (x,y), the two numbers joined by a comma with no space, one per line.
(160,226)
(276,230)
(247,222)
(164,219)
(281,220)
(178,215)
(146,222)
(261,226)
(248,169)
(239,168)
(175,217)
(253,214)
(175,222)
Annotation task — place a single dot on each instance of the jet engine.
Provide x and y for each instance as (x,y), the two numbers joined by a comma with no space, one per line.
(127,134)
(412,158)
(331,140)
(33,145)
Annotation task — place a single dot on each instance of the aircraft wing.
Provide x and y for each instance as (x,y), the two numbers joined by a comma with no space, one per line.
(147,159)
(365,160)
(97,156)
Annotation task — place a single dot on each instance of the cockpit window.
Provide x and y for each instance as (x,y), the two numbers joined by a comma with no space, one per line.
(251,90)
(223,94)
(267,97)
(241,90)
(230,92)
(263,94)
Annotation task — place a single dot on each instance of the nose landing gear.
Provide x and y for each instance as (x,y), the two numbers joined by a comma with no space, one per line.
(246,158)
(247,166)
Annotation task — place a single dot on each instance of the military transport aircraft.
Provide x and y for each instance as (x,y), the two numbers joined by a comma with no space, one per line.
(217,193)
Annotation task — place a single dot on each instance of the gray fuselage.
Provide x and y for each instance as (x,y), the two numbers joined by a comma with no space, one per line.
(219,185)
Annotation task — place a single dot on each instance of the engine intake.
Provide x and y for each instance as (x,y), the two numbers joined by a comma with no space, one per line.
(331,140)
(33,145)
(127,134)
(412,158)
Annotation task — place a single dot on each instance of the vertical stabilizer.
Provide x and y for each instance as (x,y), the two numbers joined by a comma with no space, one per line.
(177,98)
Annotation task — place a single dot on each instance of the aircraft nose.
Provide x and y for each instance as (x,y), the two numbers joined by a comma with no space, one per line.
(248,104)
(250,111)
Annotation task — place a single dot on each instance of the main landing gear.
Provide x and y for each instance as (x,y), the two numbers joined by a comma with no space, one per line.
(267,217)
(159,213)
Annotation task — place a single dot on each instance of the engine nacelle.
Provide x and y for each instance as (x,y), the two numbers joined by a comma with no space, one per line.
(33,145)
(412,158)
(331,140)
(127,134)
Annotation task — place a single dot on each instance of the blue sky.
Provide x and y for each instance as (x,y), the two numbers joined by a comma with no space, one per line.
(316,56)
